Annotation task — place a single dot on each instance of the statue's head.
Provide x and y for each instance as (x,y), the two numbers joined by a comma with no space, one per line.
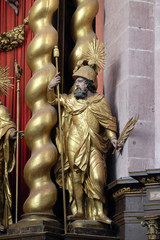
(87,73)
(91,63)
(83,86)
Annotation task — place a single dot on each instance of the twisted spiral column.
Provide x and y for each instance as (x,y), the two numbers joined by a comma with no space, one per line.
(81,28)
(43,193)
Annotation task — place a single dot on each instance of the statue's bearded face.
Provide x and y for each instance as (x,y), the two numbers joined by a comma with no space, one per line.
(81,88)
(80,83)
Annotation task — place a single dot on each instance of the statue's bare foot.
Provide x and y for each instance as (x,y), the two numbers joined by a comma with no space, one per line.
(2,228)
(76,216)
(103,218)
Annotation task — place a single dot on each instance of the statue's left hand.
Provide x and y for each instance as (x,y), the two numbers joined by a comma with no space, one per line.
(114,142)
(118,147)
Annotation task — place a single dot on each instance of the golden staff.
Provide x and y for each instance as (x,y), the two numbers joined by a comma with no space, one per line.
(56,55)
(18,72)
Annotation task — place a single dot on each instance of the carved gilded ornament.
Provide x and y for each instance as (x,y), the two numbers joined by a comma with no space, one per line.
(121,191)
(14,38)
(127,190)
(150,180)
(153,226)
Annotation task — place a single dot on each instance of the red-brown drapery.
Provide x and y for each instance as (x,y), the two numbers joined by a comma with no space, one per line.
(9,20)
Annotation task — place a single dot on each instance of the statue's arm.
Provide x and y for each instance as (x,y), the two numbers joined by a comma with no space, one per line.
(110,126)
(51,96)
(112,137)
(111,134)
(106,119)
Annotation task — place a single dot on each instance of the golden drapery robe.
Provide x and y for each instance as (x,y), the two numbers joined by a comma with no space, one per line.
(88,126)
(7,162)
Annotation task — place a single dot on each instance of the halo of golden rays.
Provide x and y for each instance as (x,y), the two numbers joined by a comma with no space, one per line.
(5,81)
(94,56)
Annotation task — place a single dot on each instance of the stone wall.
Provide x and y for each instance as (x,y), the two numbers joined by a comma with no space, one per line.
(131,78)
(157,83)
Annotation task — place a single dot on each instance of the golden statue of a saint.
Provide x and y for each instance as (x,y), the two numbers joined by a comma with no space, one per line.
(7,153)
(88,131)
(7,161)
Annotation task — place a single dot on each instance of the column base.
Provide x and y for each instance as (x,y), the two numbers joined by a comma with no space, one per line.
(35,226)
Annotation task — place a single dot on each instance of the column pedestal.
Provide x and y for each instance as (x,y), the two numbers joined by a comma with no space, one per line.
(35,226)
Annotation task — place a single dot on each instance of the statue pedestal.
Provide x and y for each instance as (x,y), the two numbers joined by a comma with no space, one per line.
(89,229)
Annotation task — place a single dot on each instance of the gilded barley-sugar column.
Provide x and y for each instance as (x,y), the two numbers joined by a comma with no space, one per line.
(43,193)
(81,28)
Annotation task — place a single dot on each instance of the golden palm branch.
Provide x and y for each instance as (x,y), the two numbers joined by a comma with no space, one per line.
(126,131)
(5,80)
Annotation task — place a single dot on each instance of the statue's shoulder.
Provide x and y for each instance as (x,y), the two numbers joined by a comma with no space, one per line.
(98,97)
(71,97)
(4,113)
(68,98)
(102,97)
(101,101)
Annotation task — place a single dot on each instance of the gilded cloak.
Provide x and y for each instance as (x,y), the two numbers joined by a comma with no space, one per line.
(94,128)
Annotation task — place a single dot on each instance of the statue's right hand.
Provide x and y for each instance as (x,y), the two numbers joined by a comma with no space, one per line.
(55,81)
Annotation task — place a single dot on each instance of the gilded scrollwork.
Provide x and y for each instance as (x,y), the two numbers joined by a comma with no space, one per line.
(150,180)
(121,191)
(153,227)
(14,38)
